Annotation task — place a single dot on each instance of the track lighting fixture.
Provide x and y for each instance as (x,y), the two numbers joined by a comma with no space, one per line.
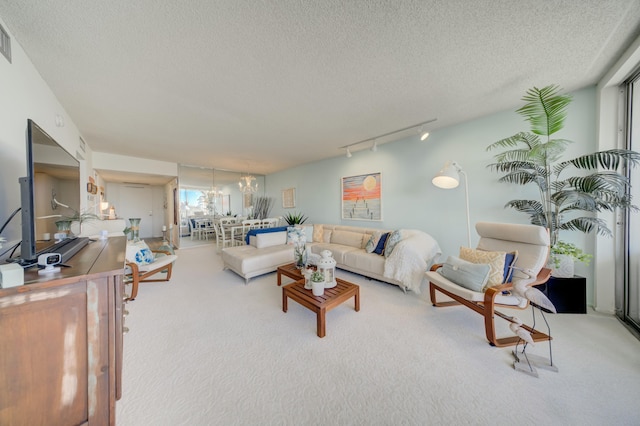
(374,147)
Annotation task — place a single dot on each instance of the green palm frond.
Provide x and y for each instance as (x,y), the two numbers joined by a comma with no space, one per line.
(610,159)
(550,151)
(515,156)
(600,182)
(531,207)
(528,139)
(510,166)
(524,177)
(545,109)
(586,225)
(569,200)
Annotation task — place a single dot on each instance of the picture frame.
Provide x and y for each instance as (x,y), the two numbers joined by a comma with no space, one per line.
(247,200)
(361,197)
(92,188)
(288,198)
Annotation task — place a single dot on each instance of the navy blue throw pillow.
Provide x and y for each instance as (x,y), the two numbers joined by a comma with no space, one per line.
(510,259)
(381,243)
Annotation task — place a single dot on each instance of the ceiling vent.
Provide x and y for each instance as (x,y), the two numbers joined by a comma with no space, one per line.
(5,44)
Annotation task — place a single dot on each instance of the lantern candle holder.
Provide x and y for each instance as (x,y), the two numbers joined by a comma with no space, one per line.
(327,266)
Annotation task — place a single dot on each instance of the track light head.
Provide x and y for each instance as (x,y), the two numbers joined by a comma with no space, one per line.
(423,134)
(348,153)
(374,147)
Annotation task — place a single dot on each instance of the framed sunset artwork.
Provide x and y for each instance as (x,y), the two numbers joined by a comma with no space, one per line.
(362,197)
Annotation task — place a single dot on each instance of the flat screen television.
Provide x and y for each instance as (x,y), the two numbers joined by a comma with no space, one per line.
(50,190)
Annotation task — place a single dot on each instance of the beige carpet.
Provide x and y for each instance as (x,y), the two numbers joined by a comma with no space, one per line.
(205,349)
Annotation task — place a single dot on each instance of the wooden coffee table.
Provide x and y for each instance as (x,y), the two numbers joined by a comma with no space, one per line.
(331,298)
(289,270)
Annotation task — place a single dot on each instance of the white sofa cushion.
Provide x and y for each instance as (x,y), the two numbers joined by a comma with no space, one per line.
(364,261)
(347,238)
(337,250)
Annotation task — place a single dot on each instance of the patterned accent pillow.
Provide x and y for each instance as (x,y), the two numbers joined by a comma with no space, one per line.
(318,231)
(495,259)
(296,235)
(139,252)
(373,242)
(394,238)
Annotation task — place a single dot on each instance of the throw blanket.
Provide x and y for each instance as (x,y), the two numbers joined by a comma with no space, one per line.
(263,231)
(411,258)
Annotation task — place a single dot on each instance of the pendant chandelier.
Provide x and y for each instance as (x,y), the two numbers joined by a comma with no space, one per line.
(248,185)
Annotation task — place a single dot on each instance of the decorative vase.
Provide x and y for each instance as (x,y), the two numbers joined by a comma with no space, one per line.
(299,251)
(135,228)
(317,288)
(565,266)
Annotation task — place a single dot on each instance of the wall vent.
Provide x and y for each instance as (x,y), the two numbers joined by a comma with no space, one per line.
(5,44)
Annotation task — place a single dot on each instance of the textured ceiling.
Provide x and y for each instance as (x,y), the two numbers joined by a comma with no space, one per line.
(267,85)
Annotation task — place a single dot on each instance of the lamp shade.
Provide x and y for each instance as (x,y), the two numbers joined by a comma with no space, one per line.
(448,177)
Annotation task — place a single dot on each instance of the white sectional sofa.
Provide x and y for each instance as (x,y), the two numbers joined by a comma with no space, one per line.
(263,254)
(415,252)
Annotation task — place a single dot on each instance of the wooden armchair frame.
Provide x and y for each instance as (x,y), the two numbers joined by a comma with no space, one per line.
(532,244)
(137,276)
(488,311)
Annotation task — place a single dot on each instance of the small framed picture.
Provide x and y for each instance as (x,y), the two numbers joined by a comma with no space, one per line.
(92,188)
(288,198)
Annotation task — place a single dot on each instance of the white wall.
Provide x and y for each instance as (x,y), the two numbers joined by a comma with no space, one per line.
(24,94)
(407,166)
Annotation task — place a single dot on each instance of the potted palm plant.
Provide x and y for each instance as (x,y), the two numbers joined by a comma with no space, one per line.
(569,201)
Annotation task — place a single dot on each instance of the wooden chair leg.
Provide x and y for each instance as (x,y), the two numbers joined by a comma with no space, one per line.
(489,324)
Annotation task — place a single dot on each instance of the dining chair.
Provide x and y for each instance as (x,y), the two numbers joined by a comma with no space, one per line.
(240,232)
(194,229)
(269,222)
(223,237)
(207,229)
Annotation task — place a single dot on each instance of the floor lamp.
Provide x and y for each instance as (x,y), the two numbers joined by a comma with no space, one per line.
(448,178)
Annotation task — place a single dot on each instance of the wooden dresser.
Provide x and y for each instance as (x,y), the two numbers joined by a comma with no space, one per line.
(61,341)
